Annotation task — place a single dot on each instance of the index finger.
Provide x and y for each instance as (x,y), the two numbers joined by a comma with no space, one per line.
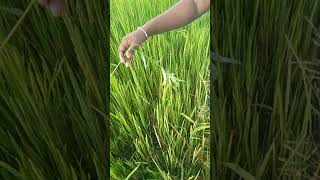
(122,49)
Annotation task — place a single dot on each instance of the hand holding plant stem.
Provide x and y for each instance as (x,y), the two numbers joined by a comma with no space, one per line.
(129,43)
(179,15)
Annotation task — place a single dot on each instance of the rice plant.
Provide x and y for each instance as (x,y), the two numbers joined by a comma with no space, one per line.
(53,98)
(159,107)
(264,108)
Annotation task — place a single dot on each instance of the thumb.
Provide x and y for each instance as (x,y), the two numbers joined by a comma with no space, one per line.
(130,51)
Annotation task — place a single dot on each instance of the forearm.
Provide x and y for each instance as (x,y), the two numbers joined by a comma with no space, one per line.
(181,14)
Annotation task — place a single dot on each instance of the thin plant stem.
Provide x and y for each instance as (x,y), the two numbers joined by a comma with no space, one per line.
(17,24)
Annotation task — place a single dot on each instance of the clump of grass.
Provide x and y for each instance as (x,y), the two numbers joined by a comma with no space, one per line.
(53,100)
(159,123)
(262,109)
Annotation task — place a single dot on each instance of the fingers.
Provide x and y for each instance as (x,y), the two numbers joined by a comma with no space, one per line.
(43,2)
(124,45)
(57,7)
(130,52)
(126,50)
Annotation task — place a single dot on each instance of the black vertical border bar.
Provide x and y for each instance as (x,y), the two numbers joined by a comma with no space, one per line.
(107,138)
(211,154)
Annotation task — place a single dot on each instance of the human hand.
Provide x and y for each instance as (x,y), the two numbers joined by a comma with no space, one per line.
(129,43)
(57,7)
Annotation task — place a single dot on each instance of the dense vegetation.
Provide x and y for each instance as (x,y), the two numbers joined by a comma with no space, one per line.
(159,108)
(53,91)
(265,92)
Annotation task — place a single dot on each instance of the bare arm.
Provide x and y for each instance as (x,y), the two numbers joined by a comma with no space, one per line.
(179,15)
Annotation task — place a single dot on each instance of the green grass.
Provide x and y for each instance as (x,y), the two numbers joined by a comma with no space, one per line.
(159,130)
(53,99)
(264,109)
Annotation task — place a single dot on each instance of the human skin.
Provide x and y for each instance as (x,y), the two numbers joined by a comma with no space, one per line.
(57,7)
(182,13)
